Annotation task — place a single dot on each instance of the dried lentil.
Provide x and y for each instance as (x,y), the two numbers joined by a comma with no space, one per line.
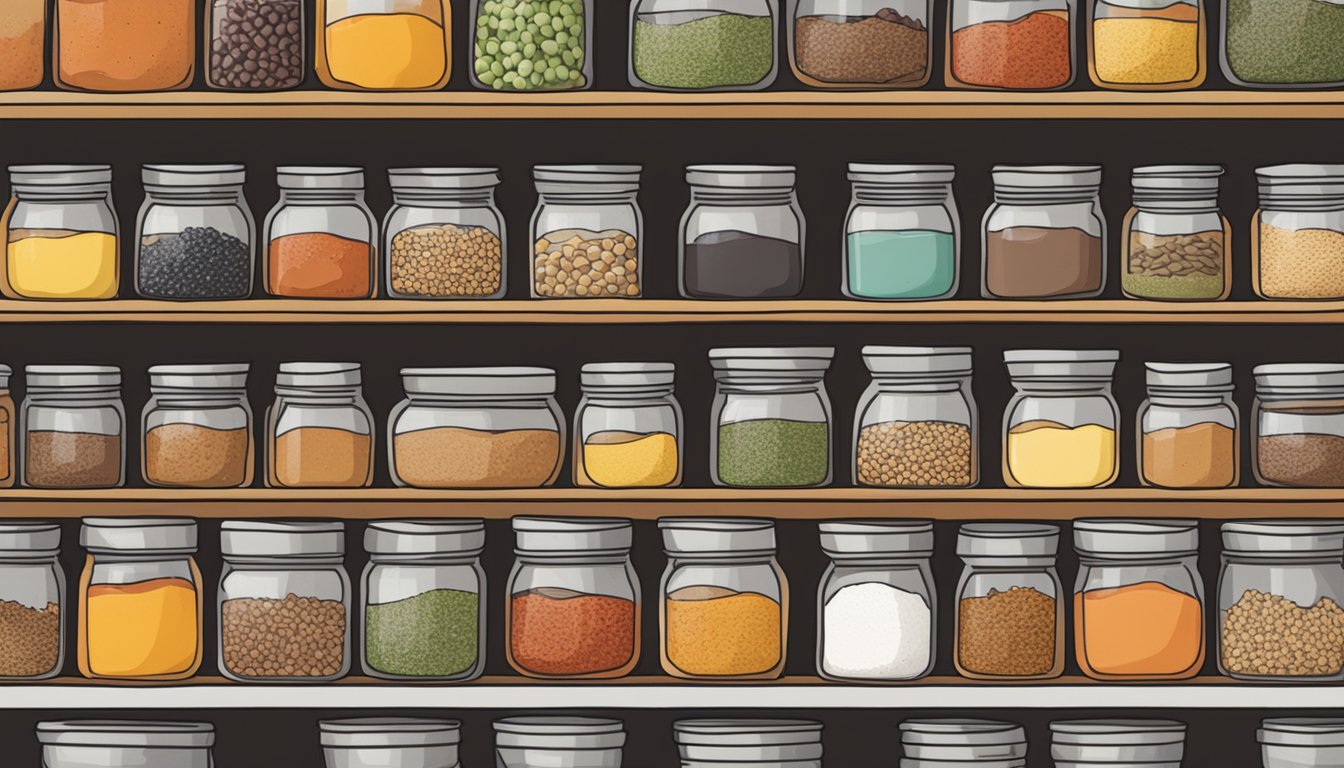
(563,633)
(257,45)
(1175,266)
(718,51)
(293,637)
(433,634)
(915,454)
(773,453)
(454,457)
(30,639)
(71,460)
(885,48)
(1301,263)
(1030,53)
(1007,634)
(446,260)
(1268,634)
(718,632)
(577,263)
(199,457)
(1303,460)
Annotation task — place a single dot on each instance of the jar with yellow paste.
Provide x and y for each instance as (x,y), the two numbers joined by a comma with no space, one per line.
(384,45)
(60,233)
(1062,426)
(1147,45)
(139,599)
(627,428)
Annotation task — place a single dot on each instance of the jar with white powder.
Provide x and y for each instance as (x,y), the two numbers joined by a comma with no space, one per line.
(877,601)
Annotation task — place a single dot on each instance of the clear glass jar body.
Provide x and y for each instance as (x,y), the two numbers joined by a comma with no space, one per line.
(1156,254)
(1034,53)
(319,439)
(111,46)
(9,424)
(1086,422)
(1137,618)
(25,39)
(864,44)
(1189,439)
(586,233)
(872,624)
(73,437)
(723,616)
(1044,241)
(917,432)
(1297,234)
(703,45)
(140,616)
(628,440)
(32,590)
(61,234)
(385,45)
(401,643)
(194,242)
(441,242)
(1010,618)
(902,233)
(1147,45)
(1258,595)
(241,60)
(1298,427)
(197,438)
(743,236)
(551,51)
(321,243)
(1272,45)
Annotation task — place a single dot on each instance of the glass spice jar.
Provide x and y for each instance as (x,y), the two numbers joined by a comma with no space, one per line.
(1189,433)
(628,427)
(540,47)
(8,425)
(422,600)
(1294,742)
(760,743)
(320,237)
(1175,241)
(32,601)
(23,38)
(1298,425)
(74,427)
(196,429)
(140,599)
(370,742)
(1045,234)
(573,599)
(255,45)
(902,233)
(558,742)
(586,232)
(703,45)
(1010,45)
(116,46)
(61,233)
(444,236)
(1150,743)
(1010,611)
(283,602)
(319,431)
(125,744)
(1283,43)
(1147,45)
(962,743)
(384,45)
(195,233)
(861,43)
(1297,234)
(724,600)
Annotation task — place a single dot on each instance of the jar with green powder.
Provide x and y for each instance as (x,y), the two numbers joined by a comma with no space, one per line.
(423,606)
(1283,43)
(771,417)
(703,45)
(902,233)
(532,45)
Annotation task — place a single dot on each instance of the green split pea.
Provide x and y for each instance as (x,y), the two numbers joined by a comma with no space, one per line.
(433,634)
(526,45)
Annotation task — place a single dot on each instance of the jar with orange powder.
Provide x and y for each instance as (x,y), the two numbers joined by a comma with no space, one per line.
(319,431)
(1011,45)
(1138,603)
(23,33)
(125,45)
(139,599)
(384,45)
(320,236)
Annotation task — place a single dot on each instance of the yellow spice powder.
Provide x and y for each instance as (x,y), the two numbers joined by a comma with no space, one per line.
(146,629)
(628,460)
(713,632)
(1301,263)
(63,265)
(394,51)
(1145,50)
(1047,454)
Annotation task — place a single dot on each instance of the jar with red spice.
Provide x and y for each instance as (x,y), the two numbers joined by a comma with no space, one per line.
(320,236)
(573,599)
(1011,45)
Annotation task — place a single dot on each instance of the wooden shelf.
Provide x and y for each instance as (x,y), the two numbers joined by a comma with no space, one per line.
(663,311)
(774,105)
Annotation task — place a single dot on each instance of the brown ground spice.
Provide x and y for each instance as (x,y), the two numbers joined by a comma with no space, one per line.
(317,265)
(1030,53)
(1040,262)
(1305,461)
(293,637)
(561,632)
(30,639)
(6,443)
(1197,456)
(915,454)
(126,45)
(72,460)
(453,457)
(884,48)
(1007,634)
(22,36)
(1301,263)
(198,457)
(322,457)
(1266,634)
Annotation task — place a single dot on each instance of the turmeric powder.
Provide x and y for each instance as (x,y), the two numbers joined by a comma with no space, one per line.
(1143,630)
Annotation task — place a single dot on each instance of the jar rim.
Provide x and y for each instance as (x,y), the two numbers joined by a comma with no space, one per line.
(127,733)
(425,537)
(723,536)
(271,538)
(138,534)
(1301,731)
(385,732)
(301,375)
(171,175)
(901,174)
(443,177)
(59,175)
(1188,375)
(501,382)
(1135,536)
(746,178)
(918,360)
(319,177)
(72,375)
(29,537)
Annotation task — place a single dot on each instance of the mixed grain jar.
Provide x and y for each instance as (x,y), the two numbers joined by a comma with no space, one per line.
(196,429)
(284,601)
(1298,425)
(140,599)
(962,743)
(1147,45)
(1061,428)
(864,44)
(1295,742)
(114,46)
(877,603)
(61,233)
(724,601)
(125,744)
(771,417)
(1283,44)
(476,428)
(743,235)
(9,423)
(703,45)
(558,742)
(423,607)
(757,742)
(1297,235)
(1011,45)
(1138,602)
(916,426)
(377,742)
(23,37)
(628,426)
(444,235)
(32,601)
(319,431)
(573,599)
(586,232)
(384,45)
(1150,743)
(902,233)
(1189,429)
(255,45)
(1279,593)
(521,46)
(1175,241)
(195,234)
(74,427)
(1045,233)
(320,237)
(1010,609)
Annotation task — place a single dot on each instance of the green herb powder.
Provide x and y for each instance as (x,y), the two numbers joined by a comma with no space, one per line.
(717,51)
(433,634)
(773,453)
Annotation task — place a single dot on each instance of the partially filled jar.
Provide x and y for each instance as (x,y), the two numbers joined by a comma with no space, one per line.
(573,607)
(755,742)
(125,744)
(255,45)
(423,600)
(195,237)
(628,426)
(1062,427)
(1279,594)
(1045,234)
(586,232)
(1147,45)
(771,417)
(1295,742)
(1189,432)
(1283,43)
(367,742)
(916,426)
(724,600)
(520,46)
(558,742)
(197,427)
(863,44)
(61,233)
(743,236)
(74,427)
(902,233)
(284,601)
(1147,743)
(32,601)
(1010,609)
(23,37)
(1298,425)
(1011,45)
(962,743)
(1297,234)
(125,45)
(1175,242)
(319,431)
(476,428)
(703,45)
(1138,602)
(321,236)
(384,45)
(444,236)
(140,599)
(9,424)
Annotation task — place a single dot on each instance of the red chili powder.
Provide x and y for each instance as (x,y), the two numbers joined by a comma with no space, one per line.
(317,265)
(1030,53)
(559,632)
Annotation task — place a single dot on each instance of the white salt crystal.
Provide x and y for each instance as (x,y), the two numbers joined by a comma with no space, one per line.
(876,630)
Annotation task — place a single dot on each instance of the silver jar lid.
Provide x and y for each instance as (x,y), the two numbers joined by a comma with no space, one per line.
(319,177)
(561,733)
(1116,536)
(1283,537)
(1061,364)
(389,732)
(262,538)
(753,177)
(726,535)
(313,375)
(27,539)
(728,740)
(59,175)
(915,361)
(764,361)
(138,534)
(83,376)
(482,177)
(126,733)
(225,175)
(1047,176)
(581,535)
(1007,540)
(5,373)
(913,174)
(1188,376)
(1182,180)
(221,376)
(1300,182)
(627,375)
(1118,742)
(620,177)
(424,537)
(1301,732)
(860,538)
(1272,377)
(503,382)
(957,739)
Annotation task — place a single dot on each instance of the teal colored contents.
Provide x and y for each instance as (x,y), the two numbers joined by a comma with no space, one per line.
(914,264)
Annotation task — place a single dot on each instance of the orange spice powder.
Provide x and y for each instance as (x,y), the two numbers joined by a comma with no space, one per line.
(1143,630)
(318,265)
(125,45)
(1031,53)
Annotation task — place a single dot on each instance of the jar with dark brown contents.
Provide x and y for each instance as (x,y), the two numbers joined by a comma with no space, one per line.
(74,427)
(255,45)
(8,423)
(32,601)
(284,602)
(197,427)
(861,44)
(1298,418)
